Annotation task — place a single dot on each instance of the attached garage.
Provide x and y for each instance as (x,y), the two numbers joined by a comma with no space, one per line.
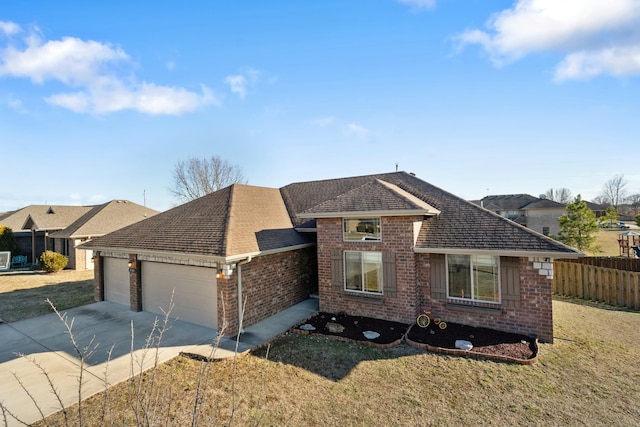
(116,280)
(193,289)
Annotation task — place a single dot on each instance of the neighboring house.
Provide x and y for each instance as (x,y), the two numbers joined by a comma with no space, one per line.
(381,246)
(60,228)
(33,224)
(98,221)
(598,210)
(532,212)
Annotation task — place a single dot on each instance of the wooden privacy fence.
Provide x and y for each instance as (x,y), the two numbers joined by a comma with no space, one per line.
(587,280)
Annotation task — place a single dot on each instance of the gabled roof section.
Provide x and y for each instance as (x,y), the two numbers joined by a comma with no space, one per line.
(104,219)
(544,204)
(259,222)
(197,227)
(236,220)
(461,225)
(376,197)
(243,220)
(43,217)
(507,202)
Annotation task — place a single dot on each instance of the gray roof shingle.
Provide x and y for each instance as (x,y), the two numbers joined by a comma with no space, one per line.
(243,219)
(105,218)
(43,217)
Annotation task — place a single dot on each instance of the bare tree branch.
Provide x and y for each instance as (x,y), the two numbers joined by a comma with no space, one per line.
(560,195)
(195,178)
(613,191)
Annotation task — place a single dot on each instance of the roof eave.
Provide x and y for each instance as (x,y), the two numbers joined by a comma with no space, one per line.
(178,255)
(360,214)
(183,255)
(501,252)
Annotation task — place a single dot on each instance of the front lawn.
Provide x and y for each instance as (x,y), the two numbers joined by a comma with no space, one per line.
(23,294)
(589,376)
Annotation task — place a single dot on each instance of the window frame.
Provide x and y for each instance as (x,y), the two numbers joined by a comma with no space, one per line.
(377,223)
(380,272)
(472,262)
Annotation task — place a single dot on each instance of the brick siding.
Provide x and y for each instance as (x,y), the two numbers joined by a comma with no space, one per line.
(270,284)
(397,237)
(534,316)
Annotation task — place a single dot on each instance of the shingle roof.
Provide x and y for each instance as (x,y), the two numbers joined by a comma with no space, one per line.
(239,219)
(544,204)
(243,219)
(44,217)
(507,202)
(104,219)
(461,224)
(376,197)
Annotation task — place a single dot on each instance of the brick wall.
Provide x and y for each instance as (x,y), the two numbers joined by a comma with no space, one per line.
(534,316)
(397,237)
(135,283)
(270,284)
(413,275)
(98,278)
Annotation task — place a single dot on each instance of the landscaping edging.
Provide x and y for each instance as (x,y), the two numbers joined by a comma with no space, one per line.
(396,343)
(474,354)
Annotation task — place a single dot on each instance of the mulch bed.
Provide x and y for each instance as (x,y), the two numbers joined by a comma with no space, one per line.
(391,333)
(487,343)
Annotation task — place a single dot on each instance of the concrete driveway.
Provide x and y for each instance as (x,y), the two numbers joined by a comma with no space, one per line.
(44,341)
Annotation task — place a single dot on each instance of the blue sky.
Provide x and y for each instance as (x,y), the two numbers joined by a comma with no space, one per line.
(100,100)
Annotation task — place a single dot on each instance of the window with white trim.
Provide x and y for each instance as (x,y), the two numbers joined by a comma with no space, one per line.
(473,278)
(363,271)
(361,229)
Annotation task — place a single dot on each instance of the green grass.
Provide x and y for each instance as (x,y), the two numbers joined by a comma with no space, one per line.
(588,376)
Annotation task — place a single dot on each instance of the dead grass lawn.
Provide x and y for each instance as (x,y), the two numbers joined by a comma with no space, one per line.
(589,376)
(23,294)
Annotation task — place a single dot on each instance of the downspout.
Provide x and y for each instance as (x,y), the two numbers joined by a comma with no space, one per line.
(240,304)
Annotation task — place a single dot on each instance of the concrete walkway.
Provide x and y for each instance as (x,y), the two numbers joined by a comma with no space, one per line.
(107,329)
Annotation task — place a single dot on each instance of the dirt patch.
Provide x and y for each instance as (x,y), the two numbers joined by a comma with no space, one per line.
(487,343)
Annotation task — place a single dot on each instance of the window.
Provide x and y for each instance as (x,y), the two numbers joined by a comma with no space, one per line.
(545,231)
(363,271)
(361,229)
(473,278)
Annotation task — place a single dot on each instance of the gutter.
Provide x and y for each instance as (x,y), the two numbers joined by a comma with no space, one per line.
(463,251)
(240,302)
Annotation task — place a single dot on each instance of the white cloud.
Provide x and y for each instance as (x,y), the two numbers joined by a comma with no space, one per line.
(617,62)
(323,121)
(359,131)
(9,28)
(90,68)
(597,37)
(418,5)
(237,84)
(240,83)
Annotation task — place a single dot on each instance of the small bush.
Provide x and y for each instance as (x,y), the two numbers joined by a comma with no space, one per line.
(52,262)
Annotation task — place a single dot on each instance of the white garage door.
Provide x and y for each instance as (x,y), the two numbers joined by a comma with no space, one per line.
(116,280)
(193,288)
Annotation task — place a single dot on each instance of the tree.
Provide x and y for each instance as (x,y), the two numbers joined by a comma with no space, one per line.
(195,178)
(560,195)
(634,203)
(8,241)
(613,191)
(610,216)
(578,226)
